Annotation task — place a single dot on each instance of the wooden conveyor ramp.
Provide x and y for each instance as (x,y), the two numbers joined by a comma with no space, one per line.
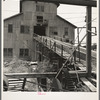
(64,50)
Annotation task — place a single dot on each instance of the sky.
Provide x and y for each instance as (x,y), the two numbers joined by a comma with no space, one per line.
(74,14)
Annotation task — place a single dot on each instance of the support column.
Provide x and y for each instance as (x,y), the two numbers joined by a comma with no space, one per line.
(60,65)
(88,41)
(78,43)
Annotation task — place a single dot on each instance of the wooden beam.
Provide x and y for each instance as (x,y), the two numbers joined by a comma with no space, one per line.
(72,2)
(31,75)
(23,86)
(88,84)
(88,41)
(73,74)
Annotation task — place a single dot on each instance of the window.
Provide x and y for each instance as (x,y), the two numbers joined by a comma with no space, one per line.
(8,52)
(24,29)
(40,19)
(66,31)
(24,52)
(27,29)
(10,28)
(37,8)
(40,8)
(53,31)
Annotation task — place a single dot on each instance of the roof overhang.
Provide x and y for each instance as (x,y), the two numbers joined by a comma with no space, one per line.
(92,3)
(66,21)
(13,16)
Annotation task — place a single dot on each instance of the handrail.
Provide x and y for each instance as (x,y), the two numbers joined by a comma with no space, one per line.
(67,47)
(70,56)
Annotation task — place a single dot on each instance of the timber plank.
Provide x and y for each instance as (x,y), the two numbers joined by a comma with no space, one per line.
(31,75)
(12,82)
(92,79)
(16,84)
(89,84)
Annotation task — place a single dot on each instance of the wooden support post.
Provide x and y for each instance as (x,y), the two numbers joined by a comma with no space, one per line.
(88,43)
(46,42)
(60,65)
(62,50)
(42,52)
(78,43)
(34,50)
(74,56)
(24,82)
(50,44)
(37,49)
(55,46)
(44,84)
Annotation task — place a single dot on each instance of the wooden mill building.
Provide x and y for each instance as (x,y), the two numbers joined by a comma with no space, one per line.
(34,17)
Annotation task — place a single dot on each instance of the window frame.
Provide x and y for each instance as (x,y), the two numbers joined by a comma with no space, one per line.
(24,29)
(40,20)
(53,30)
(23,53)
(10,28)
(8,52)
(66,31)
(39,8)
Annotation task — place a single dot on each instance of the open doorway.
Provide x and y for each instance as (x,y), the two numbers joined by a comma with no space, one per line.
(40,30)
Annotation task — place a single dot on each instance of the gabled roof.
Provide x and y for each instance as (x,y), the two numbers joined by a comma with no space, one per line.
(66,21)
(13,16)
(57,16)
